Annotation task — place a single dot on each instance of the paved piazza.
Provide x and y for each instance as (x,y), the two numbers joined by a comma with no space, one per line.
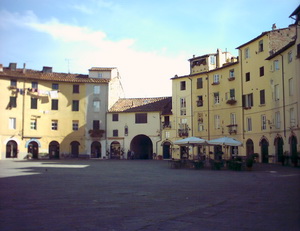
(145,195)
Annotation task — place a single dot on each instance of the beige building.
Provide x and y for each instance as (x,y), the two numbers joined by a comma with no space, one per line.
(251,98)
(55,114)
(135,128)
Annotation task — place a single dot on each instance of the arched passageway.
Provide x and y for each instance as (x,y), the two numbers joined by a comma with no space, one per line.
(264,145)
(33,148)
(74,148)
(115,150)
(54,150)
(279,148)
(142,147)
(96,150)
(11,149)
(249,147)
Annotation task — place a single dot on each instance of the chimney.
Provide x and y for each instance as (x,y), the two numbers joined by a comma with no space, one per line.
(1,67)
(274,26)
(47,69)
(13,66)
(24,68)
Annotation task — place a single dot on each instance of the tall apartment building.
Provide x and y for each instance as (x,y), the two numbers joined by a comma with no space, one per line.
(56,113)
(252,98)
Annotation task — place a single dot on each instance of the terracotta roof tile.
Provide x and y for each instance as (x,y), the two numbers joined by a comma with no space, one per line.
(163,104)
(54,76)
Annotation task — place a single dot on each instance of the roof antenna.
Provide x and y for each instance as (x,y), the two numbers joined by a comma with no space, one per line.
(68,60)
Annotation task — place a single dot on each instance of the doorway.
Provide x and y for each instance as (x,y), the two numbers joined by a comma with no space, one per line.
(54,150)
(11,149)
(166,150)
(96,150)
(75,148)
(264,144)
(33,148)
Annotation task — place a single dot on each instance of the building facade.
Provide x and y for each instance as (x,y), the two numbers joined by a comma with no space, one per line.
(54,114)
(251,98)
(136,128)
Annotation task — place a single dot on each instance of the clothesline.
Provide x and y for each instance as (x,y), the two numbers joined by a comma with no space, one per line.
(51,94)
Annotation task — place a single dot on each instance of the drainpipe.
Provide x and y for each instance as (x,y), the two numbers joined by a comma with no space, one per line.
(283,94)
(160,135)
(192,122)
(23,110)
(208,111)
(242,88)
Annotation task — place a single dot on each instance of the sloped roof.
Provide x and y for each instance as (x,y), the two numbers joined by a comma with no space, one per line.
(281,50)
(53,76)
(102,68)
(162,104)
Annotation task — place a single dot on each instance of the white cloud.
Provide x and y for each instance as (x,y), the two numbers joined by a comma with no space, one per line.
(143,73)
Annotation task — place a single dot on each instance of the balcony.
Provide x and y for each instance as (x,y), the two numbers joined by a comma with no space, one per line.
(166,125)
(231,78)
(96,133)
(183,132)
(232,128)
(199,103)
(231,101)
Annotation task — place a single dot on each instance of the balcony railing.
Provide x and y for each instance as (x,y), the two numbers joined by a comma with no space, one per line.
(231,101)
(232,128)
(96,133)
(183,132)
(166,125)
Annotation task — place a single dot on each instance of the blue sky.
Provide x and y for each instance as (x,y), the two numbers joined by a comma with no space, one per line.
(149,41)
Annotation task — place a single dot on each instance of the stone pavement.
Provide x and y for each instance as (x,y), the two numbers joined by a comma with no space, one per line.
(145,195)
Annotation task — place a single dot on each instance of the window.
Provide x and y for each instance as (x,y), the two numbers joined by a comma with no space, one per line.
(115,117)
(96,105)
(34,85)
(277,120)
(262,71)
(96,124)
(55,86)
(115,133)
(182,85)
(200,101)
(75,105)
(54,124)
(232,118)
(13,83)
(33,124)
(262,97)
(291,87)
(249,124)
(217,121)
(276,65)
(290,57)
(54,104)
(33,104)
(12,123)
(292,117)
(212,60)
(216,79)
(248,101)
(126,130)
(199,83)
(182,103)
(247,53)
(261,46)
(247,76)
(216,98)
(12,101)
(75,125)
(231,74)
(99,75)
(200,126)
(232,93)
(96,89)
(276,92)
(263,122)
(141,118)
(75,88)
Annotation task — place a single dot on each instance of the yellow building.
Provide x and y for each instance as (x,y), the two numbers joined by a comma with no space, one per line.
(135,128)
(252,98)
(54,114)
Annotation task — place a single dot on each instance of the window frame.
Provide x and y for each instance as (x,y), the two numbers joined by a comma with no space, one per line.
(75,105)
(141,118)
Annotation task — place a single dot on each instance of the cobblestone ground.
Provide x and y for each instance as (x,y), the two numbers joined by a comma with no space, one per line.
(145,195)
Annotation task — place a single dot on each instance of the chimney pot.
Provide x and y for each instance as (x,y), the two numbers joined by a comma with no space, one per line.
(1,67)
